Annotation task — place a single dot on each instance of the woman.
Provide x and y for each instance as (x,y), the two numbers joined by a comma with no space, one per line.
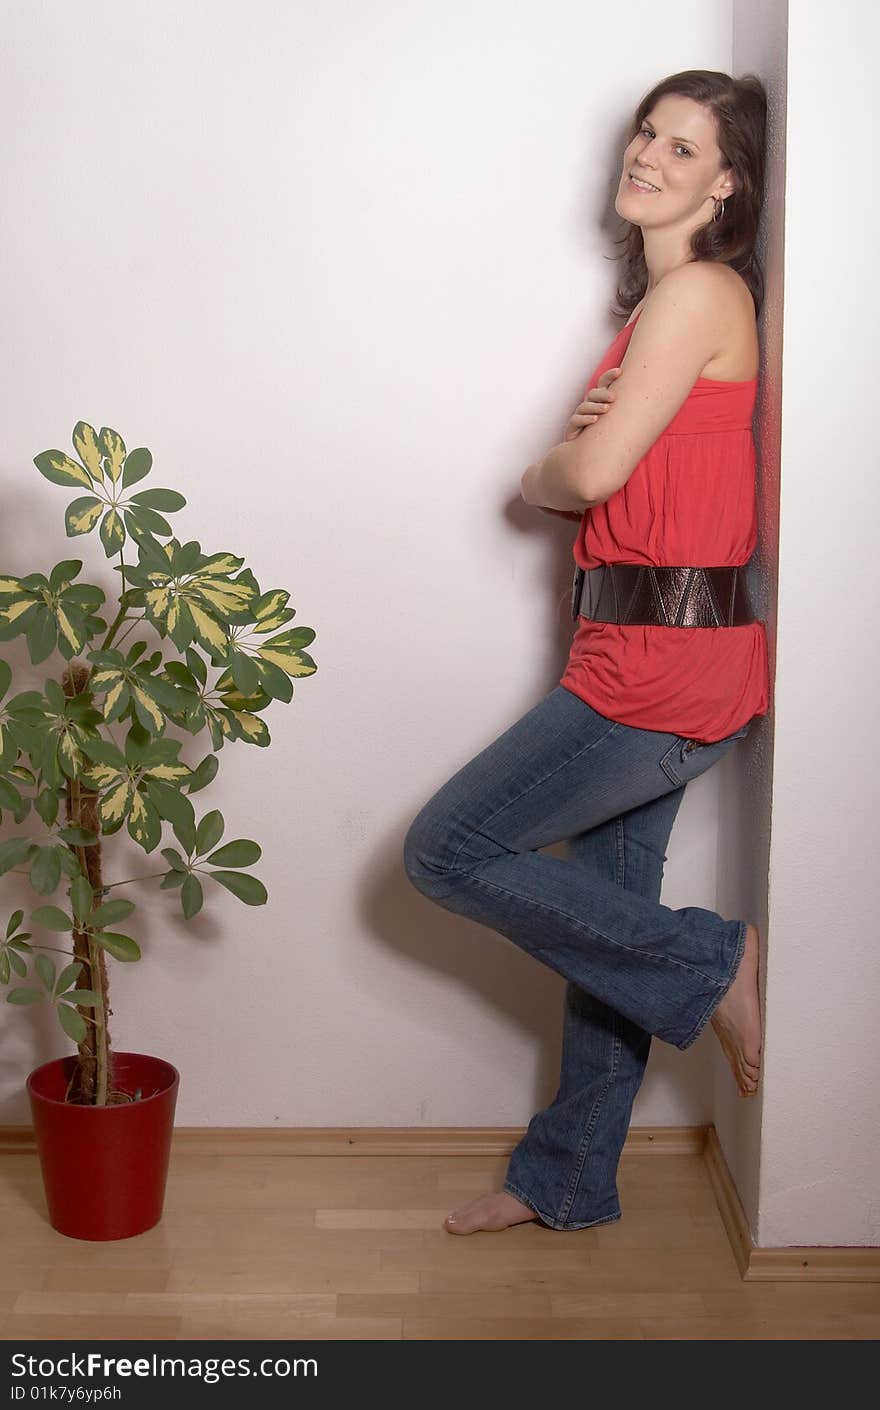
(667,667)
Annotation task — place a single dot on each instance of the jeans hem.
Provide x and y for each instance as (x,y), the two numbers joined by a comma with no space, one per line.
(722,989)
(557,1223)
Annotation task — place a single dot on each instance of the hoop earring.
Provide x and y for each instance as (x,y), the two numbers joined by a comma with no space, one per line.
(715,215)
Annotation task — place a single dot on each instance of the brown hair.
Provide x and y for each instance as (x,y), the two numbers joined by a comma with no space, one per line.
(740,109)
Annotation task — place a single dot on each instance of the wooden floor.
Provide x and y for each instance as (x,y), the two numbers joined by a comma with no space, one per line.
(351,1247)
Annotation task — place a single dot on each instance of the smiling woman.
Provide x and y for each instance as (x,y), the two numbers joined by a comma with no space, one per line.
(665,671)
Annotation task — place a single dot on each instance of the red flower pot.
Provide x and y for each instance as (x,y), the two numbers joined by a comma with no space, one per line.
(105,1167)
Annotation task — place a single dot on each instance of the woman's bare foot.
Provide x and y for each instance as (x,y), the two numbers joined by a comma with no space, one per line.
(737,1019)
(493,1212)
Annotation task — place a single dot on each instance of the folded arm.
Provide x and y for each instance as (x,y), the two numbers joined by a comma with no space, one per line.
(677,334)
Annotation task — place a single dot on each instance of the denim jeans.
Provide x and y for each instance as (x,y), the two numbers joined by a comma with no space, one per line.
(634,968)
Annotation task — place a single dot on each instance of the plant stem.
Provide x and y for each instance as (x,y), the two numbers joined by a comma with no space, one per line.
(114,626)
(149,877)
(95,983)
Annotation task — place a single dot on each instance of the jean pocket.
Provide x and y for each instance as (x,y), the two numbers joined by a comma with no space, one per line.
(687,758)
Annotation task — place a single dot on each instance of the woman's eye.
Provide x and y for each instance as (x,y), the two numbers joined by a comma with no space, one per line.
(680,147)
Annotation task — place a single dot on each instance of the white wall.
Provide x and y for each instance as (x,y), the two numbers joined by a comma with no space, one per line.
(760,45)
(820,1157)
(343,269)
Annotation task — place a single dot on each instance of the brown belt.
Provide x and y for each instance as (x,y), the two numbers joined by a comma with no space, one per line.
(636,594)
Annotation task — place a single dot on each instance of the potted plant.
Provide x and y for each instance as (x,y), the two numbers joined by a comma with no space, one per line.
(98,740)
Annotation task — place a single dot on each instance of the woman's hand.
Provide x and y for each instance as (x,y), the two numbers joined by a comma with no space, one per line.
(596,403)
(598,400)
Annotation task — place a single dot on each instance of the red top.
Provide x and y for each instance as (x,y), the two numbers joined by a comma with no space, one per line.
(689,501)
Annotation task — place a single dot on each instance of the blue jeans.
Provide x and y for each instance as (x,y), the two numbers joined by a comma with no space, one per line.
(634,967)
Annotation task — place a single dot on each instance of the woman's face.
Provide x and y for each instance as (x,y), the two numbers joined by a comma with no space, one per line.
(677,152)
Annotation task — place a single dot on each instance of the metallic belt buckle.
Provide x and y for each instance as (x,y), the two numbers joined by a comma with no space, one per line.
(576,589)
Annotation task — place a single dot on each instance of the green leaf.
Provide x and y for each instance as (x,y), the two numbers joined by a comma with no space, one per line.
(121,947)
(42,635)
(137,742)
(63,572)
(138,463)
(67,976)
(172,879)
(177,809)
(187,558)
(150,551)
(81,897)
(244,672)
(23,996)
(103,751)
(148,519)
(274,681)
(46,970)
(112,911)
(72,1022)
(15,921)
(83,998)
(51,918)
(174,859)
(69,863)
(46,804)
(246,888)
(16,850)
(191,896)
(54,695)
(209,831)
(45,871)
(196,664)
(202,776)
(9,796)
(167,500)
(78,836)
(241,853)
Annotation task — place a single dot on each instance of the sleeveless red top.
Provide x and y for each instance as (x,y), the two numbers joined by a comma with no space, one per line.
(690,500)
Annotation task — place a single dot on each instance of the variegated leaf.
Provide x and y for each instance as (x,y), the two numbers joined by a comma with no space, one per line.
(117,695)
(112,532)
(104,678)
(158,600)
(113,447)
(69,631)
(70,753)
(61,470)
(295,663)
(82,515)
(209,632)
(224,596)
(14,610)
(148,706)
(144,824)
(270,604)
(220,563)
(169,772)
(114,805)
(254,730)
(85,443)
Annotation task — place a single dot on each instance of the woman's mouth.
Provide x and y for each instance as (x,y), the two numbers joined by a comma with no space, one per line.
(645,190)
